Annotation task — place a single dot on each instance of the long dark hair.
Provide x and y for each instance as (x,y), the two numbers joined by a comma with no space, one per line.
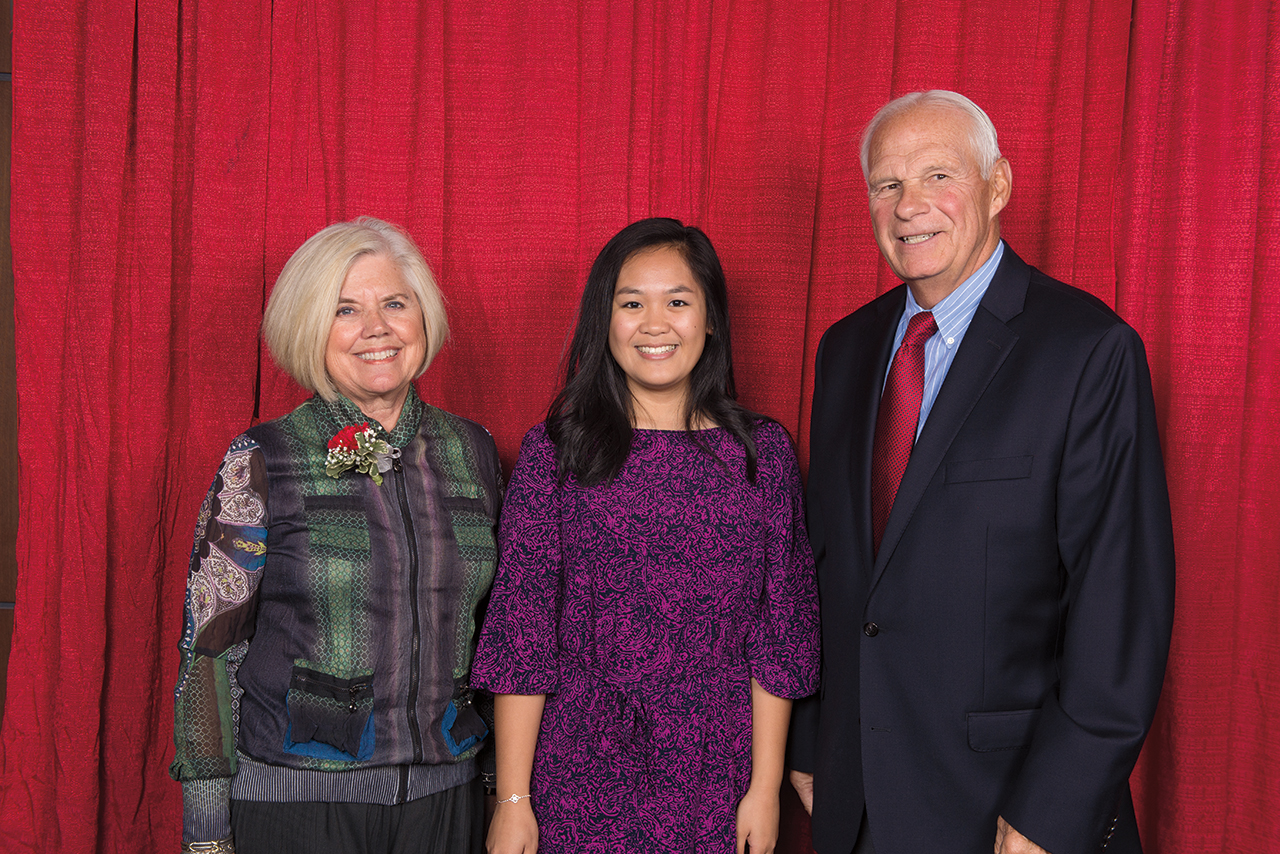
(590,419)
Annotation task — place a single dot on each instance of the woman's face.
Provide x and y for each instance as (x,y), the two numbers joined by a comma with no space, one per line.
(657,331)
(377,342)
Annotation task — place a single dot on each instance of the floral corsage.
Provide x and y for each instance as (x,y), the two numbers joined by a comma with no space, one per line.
(358,447)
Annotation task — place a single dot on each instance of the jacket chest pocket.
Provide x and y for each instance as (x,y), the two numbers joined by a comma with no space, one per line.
(1001,468)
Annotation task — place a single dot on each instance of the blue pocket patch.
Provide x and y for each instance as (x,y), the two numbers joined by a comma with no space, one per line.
(330,716)
(462,727)
(320,750)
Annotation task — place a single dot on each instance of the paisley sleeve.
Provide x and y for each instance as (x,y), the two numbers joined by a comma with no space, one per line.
(221,604)
(518,653)
(782,648)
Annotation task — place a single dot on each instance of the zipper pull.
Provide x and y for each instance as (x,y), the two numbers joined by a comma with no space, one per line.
(354,690)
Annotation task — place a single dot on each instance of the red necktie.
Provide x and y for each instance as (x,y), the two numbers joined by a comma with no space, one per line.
(897,419)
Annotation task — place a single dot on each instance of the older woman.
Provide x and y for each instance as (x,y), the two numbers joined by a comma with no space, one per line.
(322,703)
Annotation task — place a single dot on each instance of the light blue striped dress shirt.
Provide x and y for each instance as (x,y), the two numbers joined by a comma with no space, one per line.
(952,315)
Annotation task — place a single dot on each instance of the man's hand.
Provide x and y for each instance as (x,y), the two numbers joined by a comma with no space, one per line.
(1010,841)
(803,784)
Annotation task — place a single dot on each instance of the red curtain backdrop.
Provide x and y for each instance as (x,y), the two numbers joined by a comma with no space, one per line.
(1198,265)
(169,156)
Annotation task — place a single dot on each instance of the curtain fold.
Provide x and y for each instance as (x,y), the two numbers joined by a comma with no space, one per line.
(169,157)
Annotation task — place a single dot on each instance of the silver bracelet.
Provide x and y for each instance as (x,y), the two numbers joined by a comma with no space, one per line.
(217,846)
(515,799)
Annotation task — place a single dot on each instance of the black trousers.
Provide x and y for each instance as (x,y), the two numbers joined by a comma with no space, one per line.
(448,822)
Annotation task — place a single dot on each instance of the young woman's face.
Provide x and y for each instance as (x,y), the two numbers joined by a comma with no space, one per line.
(658,330)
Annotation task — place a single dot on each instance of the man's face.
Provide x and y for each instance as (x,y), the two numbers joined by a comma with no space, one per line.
(934,215)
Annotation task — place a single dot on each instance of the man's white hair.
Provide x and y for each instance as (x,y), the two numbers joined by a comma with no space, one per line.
(982,133)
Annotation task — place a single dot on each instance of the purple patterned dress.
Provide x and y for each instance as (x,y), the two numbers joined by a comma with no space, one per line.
(643,609)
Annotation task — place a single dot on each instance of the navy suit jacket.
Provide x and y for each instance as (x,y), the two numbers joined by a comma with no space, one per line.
(1003,652)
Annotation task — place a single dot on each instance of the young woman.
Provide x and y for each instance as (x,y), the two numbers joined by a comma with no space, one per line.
(655,600)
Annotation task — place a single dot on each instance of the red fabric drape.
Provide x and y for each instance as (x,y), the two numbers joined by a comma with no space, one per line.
(1198,267)
(168,157)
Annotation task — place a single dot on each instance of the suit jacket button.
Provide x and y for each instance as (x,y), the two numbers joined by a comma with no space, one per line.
(871,630)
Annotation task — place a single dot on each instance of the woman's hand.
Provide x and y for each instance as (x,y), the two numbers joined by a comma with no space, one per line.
(514,829)
(758,810)
(758,821)
(516,718)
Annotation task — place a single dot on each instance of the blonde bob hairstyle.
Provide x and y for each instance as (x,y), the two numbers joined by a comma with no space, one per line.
(304,301)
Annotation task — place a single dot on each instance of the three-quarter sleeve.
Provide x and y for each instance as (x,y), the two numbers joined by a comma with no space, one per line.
(783,645)
(518,649)
(221,603)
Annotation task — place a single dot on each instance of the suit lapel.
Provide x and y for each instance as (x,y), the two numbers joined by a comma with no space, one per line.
(852,361)
(986,345)
(865,398)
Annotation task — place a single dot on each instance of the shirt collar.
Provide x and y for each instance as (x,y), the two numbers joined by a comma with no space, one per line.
(953,313)
(342,412)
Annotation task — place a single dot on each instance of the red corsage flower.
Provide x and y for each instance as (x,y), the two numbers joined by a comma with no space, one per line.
(358,447)
(346,437)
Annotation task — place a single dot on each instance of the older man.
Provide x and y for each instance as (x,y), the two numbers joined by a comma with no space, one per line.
(988,509)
